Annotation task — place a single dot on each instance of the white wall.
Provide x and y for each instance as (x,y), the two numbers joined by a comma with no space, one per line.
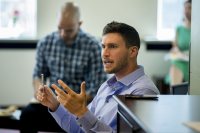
(15,76)
(17,65)
(97,13)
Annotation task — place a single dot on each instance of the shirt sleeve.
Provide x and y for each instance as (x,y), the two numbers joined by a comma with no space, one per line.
(66,120)
(96,75)
(40,65)
(90,123)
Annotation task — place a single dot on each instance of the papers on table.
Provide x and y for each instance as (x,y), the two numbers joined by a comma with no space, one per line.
(193,125)
(8,111)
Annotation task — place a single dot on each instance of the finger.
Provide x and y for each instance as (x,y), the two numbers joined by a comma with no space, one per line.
(40,89)
(83,86)
(47,90)
(50,92)
(61,99)
(57,89)
(66,87)
(39,98)
(41,92)
(44,89)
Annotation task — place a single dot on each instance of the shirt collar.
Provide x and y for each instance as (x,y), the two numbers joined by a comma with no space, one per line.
(78,36)
(128,79)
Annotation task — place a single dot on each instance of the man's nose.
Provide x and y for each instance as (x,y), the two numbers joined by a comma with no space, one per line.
(105,52)
(62,33)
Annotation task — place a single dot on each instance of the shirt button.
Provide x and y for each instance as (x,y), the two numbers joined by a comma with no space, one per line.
(99,117)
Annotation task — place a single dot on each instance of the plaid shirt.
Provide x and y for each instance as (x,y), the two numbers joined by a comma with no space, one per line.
(73,64)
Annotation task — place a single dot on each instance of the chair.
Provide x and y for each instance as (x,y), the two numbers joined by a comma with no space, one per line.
(180,89)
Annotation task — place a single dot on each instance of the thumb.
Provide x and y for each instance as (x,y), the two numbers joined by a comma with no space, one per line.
(83,86)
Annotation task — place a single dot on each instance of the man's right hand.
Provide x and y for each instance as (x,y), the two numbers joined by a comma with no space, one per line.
(46,97)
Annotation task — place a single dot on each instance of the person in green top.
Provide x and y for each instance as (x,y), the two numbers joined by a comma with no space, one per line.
(179,69)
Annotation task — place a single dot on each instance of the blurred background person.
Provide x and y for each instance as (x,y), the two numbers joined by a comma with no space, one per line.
(179,69)
(69,54)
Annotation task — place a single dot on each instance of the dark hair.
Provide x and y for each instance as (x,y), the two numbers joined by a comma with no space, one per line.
(188,1)
(128,33)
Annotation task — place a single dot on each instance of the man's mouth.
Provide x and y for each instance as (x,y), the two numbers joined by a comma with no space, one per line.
(107,63)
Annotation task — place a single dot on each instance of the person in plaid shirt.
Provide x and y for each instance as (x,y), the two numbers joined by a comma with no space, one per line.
(69,54)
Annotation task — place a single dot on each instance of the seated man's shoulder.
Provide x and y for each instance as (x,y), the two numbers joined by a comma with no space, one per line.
(90,38)
(145,85)
(47,39)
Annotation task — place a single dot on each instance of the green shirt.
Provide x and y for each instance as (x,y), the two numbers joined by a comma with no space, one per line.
(183,37)
(183,42)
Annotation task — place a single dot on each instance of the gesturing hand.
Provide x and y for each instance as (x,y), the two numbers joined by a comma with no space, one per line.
(46,97)
(73,102)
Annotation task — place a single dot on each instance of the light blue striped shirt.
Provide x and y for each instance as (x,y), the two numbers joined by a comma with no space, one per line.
(102,114)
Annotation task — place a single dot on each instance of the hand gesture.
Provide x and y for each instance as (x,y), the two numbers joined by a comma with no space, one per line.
(73,102)
(46,97)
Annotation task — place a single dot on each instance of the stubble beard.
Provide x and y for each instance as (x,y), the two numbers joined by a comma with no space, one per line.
(120,64)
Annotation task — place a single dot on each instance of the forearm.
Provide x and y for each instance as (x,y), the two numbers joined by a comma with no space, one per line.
(90,123)
(66,120)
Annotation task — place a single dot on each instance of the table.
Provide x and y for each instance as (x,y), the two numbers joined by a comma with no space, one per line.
(165,115)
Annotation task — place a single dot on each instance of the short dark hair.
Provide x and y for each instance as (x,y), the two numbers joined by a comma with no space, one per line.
(188,1)
(128,33)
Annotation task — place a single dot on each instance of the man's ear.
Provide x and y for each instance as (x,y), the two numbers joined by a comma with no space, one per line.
(133,51)
(80,23)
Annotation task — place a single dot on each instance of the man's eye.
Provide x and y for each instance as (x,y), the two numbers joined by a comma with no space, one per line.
(68,31)
(113,46)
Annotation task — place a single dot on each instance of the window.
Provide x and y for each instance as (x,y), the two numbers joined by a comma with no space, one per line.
(18,19)
(170,14)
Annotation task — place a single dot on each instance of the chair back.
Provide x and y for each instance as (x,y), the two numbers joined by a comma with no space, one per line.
(180,89)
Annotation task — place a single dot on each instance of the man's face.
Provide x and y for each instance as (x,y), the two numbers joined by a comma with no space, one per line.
(187,10)
(115,54)
(68,28)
